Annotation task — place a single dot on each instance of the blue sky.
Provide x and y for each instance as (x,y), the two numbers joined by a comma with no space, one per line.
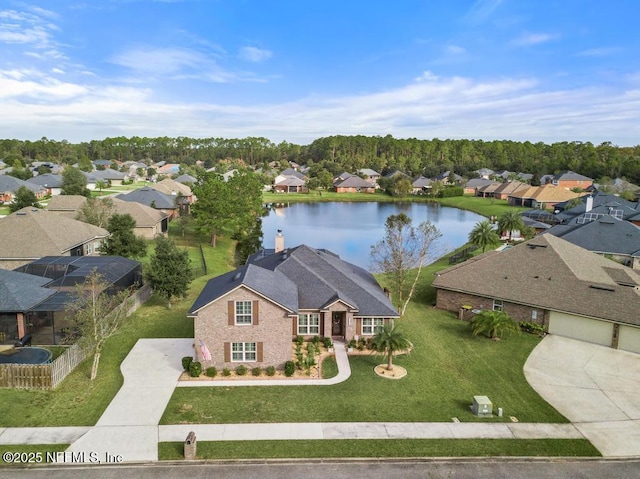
(537,70)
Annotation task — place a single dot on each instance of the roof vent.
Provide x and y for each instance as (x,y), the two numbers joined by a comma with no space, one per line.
(237,276)
(602,287)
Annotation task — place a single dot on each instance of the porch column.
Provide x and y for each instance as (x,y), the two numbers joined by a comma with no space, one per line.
(22,329)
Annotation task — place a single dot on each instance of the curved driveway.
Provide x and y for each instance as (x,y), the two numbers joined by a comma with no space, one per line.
(597,388)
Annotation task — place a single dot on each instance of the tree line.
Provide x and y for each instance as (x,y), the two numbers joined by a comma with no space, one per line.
(350,153)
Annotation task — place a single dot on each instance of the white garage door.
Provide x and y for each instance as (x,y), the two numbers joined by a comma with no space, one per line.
(629,339)
(577,327)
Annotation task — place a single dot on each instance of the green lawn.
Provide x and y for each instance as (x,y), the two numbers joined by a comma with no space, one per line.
(381,448)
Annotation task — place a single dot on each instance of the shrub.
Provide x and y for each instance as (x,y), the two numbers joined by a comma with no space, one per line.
(352,343)
(327,342)
(299,340)
(289,368)
(186,362)
(241,370)
(226,372)
(316,340)
(533,328)
(195,369)
(311,349)
(212,372)
(256,371)
(449,191)
(271,370)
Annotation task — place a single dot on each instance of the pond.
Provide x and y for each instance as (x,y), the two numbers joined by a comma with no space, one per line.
(350,229)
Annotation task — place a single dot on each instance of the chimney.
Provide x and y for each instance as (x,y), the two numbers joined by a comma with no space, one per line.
(279,242)
(589,205)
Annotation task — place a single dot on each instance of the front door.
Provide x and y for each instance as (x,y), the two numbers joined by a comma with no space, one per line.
(337,328)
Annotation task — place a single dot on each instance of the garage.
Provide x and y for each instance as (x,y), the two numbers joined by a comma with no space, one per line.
(629,339)
(579,327)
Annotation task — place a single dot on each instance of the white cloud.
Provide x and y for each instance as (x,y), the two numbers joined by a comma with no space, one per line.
(481,10)
(455,50)
(35,104)
(597,52)
(529,39)
(254,54)
(159,61)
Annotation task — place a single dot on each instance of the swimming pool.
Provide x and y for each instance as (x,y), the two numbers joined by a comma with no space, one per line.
(26,356)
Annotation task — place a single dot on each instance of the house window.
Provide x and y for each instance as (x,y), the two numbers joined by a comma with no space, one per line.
(497,305)
(534,314)
(243,352)
(371,325)
(308,323)
(89,248)
(243,312)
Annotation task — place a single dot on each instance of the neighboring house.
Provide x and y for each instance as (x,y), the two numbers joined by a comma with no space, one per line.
(474,184)
(152,198)
(444,177)
(396,173)
(354,184)
(291,185)
(488,189)
(484,173)
(50,182)
(599,202)
(150,223)
(542,216)
(173,187)
(9,185)
(503,191)
(66,205)
(168,169)
(422,185)
(570,180)
(250,315)
(546,196)
(187,179)
(34,298)
(31,233)
(605,235)
(102,163)
(539,226)
(341,177)
(547,280)
(370,175)
(109,176)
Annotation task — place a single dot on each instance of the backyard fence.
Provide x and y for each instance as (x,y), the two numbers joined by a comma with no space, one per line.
(48,376)
(462,254)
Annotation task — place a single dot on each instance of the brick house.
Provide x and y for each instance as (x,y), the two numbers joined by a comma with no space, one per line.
(354,184)
(570,179)
(250,316)
(549,281)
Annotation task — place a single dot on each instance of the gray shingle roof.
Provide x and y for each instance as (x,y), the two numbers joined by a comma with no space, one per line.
(19,292)
(550,273)
(147,195)
(303,278)
(353,182)
(11,184)
(49,180)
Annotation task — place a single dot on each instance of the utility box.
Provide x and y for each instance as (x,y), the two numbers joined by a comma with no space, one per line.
(482,406)
(190,447)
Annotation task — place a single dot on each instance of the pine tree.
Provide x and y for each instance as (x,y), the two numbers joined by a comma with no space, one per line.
(169,271)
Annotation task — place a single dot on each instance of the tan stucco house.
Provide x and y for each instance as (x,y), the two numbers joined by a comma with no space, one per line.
(250,315)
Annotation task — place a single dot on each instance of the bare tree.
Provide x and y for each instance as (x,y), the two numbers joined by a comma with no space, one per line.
(404,248)
(97,314)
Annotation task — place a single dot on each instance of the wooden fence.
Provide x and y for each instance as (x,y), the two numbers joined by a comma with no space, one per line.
(48,376)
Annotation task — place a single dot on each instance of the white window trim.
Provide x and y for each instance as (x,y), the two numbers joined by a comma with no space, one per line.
(370,329)
(244,315)
(498,305)
(305,330)
(244,352)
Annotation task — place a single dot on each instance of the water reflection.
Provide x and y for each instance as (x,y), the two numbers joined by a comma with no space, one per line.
(349,229)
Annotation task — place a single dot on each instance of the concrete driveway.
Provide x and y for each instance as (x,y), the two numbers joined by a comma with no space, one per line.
(595,387)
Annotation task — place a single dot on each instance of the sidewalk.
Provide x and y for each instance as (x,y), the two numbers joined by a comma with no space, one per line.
(129,426)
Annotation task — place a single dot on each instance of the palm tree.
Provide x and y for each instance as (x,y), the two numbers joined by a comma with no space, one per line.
(510,221)
(494,324)
(101,185)
(483,234)
(389,340)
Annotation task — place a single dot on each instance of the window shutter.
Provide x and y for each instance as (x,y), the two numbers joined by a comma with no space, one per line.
(255,313)
(259,352)
(295,325)
(359,326)
(231,313)
(227,352)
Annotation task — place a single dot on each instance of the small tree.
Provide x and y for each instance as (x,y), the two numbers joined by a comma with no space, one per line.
(74,182)
(387,341)
(96,211)
(122,241)
(101,185)
(22,198)
(494,324)
(483,234)
(97,314)
(169,271)
(403,248)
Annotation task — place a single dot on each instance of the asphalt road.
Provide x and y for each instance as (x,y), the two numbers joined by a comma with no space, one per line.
(370,469)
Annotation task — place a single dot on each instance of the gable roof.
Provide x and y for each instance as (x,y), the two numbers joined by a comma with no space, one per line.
(545,193)
(65,202)
(147,196)
(571,176)
(353,182)
(481,182)
(143,215)
(291,181)
(368,172)
(550,273)
(303,278)
(172,187)
(32,233)
(19,292)
(421,182)
(510,186)
(186,179)
(291,172)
